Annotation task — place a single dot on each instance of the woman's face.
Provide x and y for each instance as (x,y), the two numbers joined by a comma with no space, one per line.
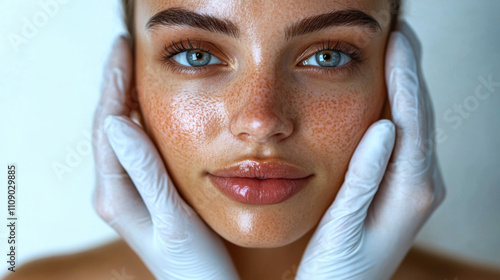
(280,91)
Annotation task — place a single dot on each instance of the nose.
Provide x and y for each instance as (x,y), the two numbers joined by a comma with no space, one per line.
(261,115)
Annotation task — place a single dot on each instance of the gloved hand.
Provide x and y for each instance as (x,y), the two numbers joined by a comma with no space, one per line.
(135,195)
(372,223)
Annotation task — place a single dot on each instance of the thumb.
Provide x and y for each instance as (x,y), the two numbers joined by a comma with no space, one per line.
(140,158)
(365,172)
(182,246)
(343,221)
(335,245)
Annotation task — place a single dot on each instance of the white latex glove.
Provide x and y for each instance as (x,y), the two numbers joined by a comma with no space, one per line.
(135,195)
(372,223)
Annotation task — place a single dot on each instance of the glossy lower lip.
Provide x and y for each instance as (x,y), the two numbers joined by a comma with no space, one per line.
(258,191)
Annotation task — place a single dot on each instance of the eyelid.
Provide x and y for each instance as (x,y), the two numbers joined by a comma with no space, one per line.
(351,51)
(314,63)
(183,56)
(180,46)
(341,72)
(166,57)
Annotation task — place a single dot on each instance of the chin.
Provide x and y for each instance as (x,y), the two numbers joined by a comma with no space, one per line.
(269,226)
(268,243)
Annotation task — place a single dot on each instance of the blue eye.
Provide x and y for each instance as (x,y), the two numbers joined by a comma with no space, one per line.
(196,58)
(327,58)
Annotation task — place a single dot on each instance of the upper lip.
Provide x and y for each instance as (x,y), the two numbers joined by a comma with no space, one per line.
(267,169)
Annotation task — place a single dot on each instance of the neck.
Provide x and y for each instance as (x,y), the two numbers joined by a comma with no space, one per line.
(268,263)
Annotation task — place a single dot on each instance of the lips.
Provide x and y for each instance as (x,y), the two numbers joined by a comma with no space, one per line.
(260,182)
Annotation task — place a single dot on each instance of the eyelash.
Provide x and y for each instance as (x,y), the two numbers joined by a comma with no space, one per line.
(352,52)
(180,46)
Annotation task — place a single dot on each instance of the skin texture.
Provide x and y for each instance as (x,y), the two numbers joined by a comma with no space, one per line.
(261,105)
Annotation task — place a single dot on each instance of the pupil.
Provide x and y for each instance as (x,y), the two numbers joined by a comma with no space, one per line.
(198,58)
(328,58)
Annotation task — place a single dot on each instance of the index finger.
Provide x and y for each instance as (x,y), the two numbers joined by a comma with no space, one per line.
(413,149)
(113,101)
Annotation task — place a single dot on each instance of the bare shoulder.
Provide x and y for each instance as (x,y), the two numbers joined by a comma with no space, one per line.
(114,260)
(423,264)
(117,261)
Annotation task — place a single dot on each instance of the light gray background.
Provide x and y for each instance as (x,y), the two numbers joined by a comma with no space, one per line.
(49,85)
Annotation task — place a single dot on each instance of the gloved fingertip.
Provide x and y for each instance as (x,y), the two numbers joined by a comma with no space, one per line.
(125,37)
(400,52)
(111,122)
(390,132)
(385,132)
(108,123)
(119,55)
(400,40)
(119,134)
(120,39)
(387,125)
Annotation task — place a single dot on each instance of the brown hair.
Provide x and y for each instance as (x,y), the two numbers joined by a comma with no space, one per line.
(128,12)
(128,16)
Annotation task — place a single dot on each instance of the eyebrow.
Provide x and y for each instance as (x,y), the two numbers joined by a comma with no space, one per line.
(338,18)
(181,17)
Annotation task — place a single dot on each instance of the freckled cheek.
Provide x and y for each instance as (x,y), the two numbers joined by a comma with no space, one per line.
(182,123)
(336,123)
